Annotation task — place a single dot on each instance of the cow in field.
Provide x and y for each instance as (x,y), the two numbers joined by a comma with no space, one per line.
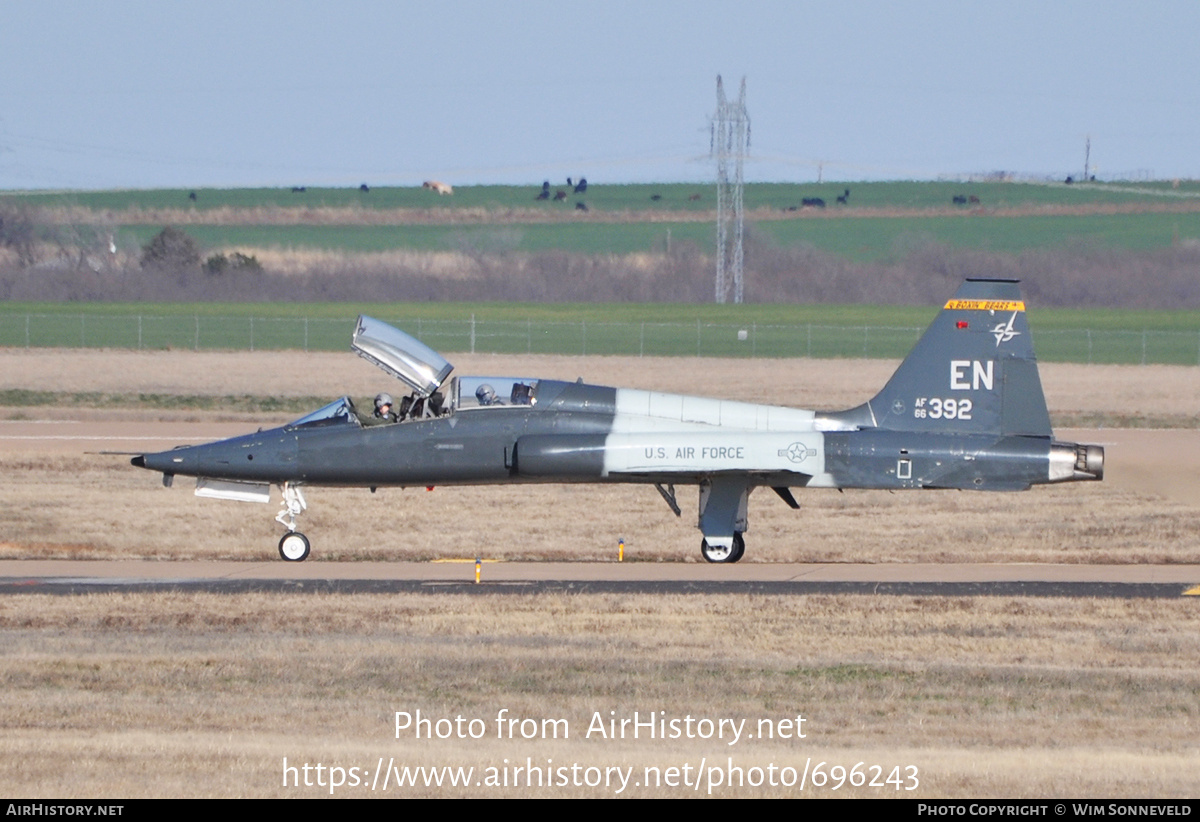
(437,186)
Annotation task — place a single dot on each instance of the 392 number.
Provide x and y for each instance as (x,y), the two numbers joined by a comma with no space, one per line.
(949,409)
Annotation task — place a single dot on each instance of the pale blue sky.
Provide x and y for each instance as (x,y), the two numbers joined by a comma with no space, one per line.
(221,93)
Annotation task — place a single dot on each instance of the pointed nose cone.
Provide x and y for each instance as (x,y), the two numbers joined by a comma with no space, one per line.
(267,455)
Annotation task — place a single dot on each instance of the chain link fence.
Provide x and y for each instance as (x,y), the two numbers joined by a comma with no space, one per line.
(200,332)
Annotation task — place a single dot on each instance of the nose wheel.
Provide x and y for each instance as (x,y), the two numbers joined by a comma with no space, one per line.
(721,553)
(294,546)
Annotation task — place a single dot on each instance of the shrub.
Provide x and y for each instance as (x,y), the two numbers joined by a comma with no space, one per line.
(219,263)
(19,233)
(171,248)
(245,262)
(216,264)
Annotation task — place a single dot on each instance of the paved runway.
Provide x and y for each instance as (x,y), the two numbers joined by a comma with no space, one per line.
(78,577)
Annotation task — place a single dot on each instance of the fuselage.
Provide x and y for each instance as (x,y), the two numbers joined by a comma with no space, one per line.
(573,432)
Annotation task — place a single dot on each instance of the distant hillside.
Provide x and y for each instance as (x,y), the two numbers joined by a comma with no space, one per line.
(1130,245)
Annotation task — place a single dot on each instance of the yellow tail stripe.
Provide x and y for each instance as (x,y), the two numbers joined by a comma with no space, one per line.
(986,305)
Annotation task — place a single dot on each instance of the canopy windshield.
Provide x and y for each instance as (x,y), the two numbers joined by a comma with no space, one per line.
(338,412)
(402,356)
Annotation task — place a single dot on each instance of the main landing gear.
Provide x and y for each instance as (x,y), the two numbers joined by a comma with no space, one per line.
(294,547)
(720,553)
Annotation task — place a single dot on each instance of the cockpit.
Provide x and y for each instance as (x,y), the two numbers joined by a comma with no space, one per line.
(492,392)
(462,394)
(425,372)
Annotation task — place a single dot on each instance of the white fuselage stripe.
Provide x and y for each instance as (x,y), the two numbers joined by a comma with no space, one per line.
(695,452)
(656,433)
(647,410)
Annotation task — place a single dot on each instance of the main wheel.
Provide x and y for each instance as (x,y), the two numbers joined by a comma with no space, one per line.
(739,548)
(294,547)
(716,553)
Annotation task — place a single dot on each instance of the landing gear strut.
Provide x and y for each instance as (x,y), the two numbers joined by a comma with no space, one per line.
(719,553)
(294,547)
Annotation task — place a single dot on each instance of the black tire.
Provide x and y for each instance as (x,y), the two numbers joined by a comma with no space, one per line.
(716,553)
(739,548)
(294,547)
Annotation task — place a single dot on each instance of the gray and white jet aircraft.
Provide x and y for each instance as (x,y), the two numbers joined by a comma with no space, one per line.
(964,410)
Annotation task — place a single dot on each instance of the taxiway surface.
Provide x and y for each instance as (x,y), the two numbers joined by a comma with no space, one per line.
(78,577)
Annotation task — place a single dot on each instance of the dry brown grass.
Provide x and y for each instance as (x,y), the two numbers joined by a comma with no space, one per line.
(78,505)
(358,216)
(1136,392)
(203,695)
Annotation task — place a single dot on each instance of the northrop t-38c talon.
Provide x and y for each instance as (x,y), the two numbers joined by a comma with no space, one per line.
(964,410)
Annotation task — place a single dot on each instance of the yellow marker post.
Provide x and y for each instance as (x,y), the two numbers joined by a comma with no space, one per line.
(621,550)
(478,568)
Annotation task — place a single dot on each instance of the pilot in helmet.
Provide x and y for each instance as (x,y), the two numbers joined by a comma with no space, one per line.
(486,395)
(383,408)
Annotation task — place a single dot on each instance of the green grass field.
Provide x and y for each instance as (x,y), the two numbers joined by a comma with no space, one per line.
(878,238)
(881,221)
(624,218)
(1042,320)
(1099,336)
(673,196)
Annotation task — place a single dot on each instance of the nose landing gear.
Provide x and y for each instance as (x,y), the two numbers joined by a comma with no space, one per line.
(294,546)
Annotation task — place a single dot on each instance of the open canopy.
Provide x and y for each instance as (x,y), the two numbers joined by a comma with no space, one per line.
(402,356)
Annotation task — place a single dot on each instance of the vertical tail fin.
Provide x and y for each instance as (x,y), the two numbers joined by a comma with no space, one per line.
(973,371)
